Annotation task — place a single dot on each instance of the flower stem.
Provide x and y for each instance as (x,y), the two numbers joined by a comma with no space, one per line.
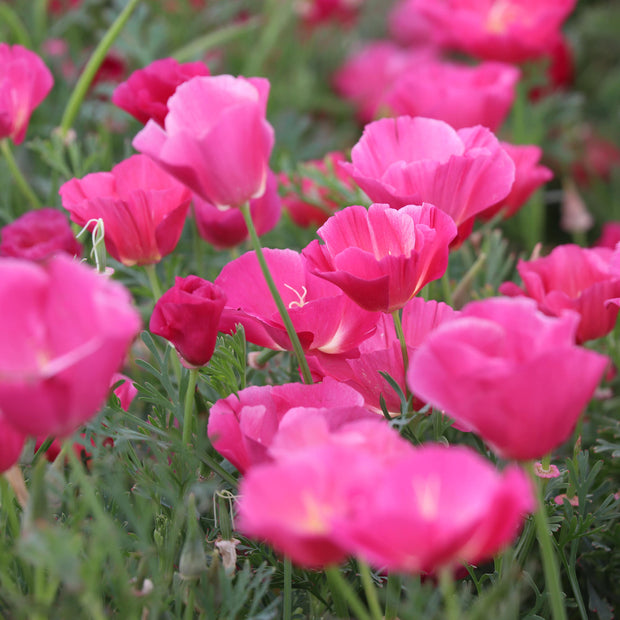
(369,590)
(392,602)
(398,326)
(287,606)
(290,329)
(338,583)
(549,560)
(83,84)
(18,177)
(446,584)
(189,405)
(153,281)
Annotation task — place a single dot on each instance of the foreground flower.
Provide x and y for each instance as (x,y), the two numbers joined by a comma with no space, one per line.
(586,280)
(65,331)
(142,207)
(36,235)
(24,82)
(216,139)
(509,373)
(381,257)
(188,315)
(409,160)
(146,92)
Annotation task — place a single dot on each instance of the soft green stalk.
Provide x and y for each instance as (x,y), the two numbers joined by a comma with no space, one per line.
(398,326)
(451,603)
(11,19)
(340,604)
(392,602)
(458,294)
(338,583)
(151,274)
(287,602)
(18,177)
(290,329)
(83,84)
(549,560)
(188,411)
(369,590)
(218,469)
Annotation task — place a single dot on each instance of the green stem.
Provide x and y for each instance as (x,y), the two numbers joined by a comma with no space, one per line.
(446,584)
(346,592)
(546,461)
(10,18)
(458,294)
(188,418)
(398,326)
(549,560)
(340,604)
(8,505)
(151,273)
(290,329)
(218,469)
(83,84)
(369,590)
(392,602)
(18,177)
(287,603)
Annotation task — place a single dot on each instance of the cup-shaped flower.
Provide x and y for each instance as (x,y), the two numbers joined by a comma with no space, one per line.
(586,280)
(227,228)
(187,315)
(242,426)
(65,331)
(444,506)
(145,93)
(142,207)
(529,176)
(37,235)
(324,318)
(404,161)
(24,82)
(459,94)
(381,257)
(216,139)
(508,372)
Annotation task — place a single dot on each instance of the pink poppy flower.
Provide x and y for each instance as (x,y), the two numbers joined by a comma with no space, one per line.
(509,373)
(324,318)
(381,257)
(24,82)
(126,391)
(142,207)
(36,235)
(405,160)
(226,229)
(65,331)
(574,278)
(11,444)
(188,315)
(444,506)
(459,94)
(216,139)
(242,426)
(319,12)
(145,93)
(529,176)
(610,235)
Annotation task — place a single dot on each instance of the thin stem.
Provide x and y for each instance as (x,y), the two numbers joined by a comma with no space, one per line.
(369,590)
(83,84)
(188,418)
(339,583)
(392,601)
(398,326)
(290,329)
(287,603)
(18,177)
(549,560)
(458,294)
(153,281)
(10,18)
(218,469)
(446,584)
(340,604)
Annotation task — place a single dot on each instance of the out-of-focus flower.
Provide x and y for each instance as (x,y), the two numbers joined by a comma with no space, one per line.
(508,372)
(187,315)
(216,138)
(586,280)
(11,444)
(145,93)
(24,82)
(381,257)
(318,12)
(36,235)
(65,331)
(405,160)
(227,228)
(126,391)
(529,176)
(142,207)
(610,235)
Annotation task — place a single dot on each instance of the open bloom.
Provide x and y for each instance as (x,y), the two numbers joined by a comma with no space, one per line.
(146,92)
(509,373)
(24,82)
(215,139)
(188,315)
(65,331)
(574,278)
(381,257)
(142,207)
(403,161)
(39,234)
